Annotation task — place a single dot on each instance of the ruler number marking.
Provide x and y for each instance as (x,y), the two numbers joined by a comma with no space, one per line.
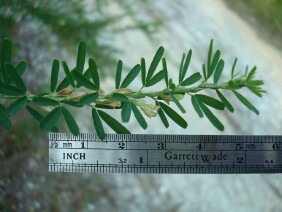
(240,160)
(276,146)
(268,162)
(200,146)
(122,160)
(239,146)
(121,145)
(54,144)
(161,145)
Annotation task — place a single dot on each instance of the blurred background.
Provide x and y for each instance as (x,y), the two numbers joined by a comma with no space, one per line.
(122,29)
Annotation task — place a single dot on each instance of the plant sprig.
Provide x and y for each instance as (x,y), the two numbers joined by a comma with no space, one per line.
(82,87)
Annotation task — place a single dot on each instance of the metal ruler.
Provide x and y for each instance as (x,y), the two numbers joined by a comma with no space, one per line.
(165,153)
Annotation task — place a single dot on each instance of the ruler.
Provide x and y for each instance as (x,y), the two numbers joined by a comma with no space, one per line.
(181,154)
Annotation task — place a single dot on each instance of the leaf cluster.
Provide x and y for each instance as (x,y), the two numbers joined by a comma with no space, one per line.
(81,86)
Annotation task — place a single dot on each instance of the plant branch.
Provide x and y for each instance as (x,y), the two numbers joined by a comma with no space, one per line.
(82,88)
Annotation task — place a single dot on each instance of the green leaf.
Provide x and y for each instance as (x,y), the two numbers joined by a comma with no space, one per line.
(246,70)
(163,117)
(210,53)
(21,67)
(113,123)
(98,124)
(165,72)
(44,101)
(233,67)
(157,78)
(107,106)
(49,121)
(255,91)
(65,83)
(15,77)
(86,100)
(139,117)
(205,72)
(143,71)
(173,115)
(177,103)
(213,63)
(6,55)
(126,112)
(225,101)
(42,94)
(54,74)
(233,85)
(213,119)
(39,117)
(93,67)
(181,68)
(72,125)
(72,103)
(83,81)
(210,101)
(171,84)
(34,113)
(10,90)
(118,74)
(68,74)
(246,102)
(218,70)
(87,73)
(192,79)
(16,106)
(120,97)
(255,82)
(259,89)
(81,54)
(130,76)
(252,73)
(4,120)
(155,62)
(196,106)
(186,64)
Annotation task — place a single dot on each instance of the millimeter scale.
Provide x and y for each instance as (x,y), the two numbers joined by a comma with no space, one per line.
(179,154)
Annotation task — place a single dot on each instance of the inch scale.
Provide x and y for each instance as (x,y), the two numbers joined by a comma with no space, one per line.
(138,153)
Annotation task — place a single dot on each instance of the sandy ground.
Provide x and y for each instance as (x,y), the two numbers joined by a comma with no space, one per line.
(187,24)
